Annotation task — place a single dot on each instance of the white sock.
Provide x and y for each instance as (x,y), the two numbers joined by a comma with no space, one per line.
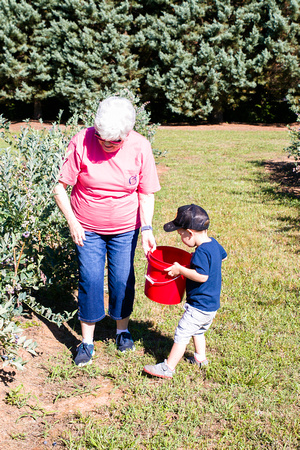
(199,357)
(122,331)
(87,341)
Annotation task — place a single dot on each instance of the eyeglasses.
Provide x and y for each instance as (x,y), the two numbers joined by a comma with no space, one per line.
(104,140)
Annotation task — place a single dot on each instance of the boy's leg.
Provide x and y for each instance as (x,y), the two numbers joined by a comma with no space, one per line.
(176,354)
(200,347)
(166,369)
(205,321)
(183,333)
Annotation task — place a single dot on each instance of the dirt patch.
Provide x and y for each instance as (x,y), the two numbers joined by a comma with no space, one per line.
(16,126)
(283,172)
(161,169)
(50,390)
(36,124)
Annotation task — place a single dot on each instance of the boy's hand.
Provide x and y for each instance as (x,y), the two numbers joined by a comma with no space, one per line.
(174,270)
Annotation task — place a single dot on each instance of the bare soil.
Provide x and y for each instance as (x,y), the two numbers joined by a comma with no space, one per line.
(46,405)
(16,126)
(44,408)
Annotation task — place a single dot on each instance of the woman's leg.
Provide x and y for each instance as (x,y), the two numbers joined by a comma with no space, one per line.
(123,324)
(91,263)
(87,331)
(121,279)
(121,284)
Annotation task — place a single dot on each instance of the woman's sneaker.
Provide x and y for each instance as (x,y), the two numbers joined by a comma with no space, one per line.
(84,354)
(124,342)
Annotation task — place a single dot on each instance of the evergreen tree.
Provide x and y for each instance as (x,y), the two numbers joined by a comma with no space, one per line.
(24,71)
(90,53)
(200,57)
(72,50)
(191,59)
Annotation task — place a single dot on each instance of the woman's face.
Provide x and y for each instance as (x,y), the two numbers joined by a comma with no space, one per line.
(109,146)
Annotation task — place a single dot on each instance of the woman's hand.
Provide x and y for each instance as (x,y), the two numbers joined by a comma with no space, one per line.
(148,242)
(146,203)
(77,232)
(174,270)
(63,202)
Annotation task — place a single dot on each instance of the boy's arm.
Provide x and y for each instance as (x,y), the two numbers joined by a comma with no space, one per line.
(191,274)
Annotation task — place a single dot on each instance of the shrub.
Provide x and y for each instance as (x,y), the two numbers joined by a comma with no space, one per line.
(33,239)
(293,149)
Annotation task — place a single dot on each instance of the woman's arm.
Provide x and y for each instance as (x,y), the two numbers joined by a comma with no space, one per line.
(191,274)
(63,202)
(146,204)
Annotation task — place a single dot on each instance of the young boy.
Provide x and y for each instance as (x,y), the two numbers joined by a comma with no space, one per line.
(203,288)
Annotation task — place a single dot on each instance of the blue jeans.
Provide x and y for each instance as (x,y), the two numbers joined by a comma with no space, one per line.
(120,249)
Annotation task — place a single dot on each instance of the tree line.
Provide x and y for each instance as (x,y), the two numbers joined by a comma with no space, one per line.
(193,60)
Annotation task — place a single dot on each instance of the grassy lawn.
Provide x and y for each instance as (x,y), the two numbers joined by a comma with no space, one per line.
(248,397)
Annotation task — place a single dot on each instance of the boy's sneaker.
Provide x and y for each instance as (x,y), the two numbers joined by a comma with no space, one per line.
(124,342)
(161,370)
(193,360)
(84,354)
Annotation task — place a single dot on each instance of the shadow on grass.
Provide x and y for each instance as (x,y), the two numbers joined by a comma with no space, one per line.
(155,343)
(285,187)
(286,181)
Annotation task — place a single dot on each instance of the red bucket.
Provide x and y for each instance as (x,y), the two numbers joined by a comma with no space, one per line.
(159,286)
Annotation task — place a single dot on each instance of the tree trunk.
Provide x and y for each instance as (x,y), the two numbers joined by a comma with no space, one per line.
(218,115)
(37,109)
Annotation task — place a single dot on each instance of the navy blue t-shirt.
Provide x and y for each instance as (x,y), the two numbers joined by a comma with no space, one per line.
(206,260)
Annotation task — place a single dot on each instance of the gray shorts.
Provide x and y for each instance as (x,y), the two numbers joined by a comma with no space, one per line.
(192,323)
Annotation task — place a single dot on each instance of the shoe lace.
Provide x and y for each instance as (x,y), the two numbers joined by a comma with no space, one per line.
(85,347)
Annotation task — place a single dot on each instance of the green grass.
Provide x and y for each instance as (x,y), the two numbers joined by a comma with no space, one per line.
(248,398)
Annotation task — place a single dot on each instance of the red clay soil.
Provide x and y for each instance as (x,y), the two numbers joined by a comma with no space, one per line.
(15,126)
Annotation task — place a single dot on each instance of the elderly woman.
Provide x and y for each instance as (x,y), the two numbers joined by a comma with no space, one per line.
(114,178)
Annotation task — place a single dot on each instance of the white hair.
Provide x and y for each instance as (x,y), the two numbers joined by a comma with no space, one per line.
(115,118)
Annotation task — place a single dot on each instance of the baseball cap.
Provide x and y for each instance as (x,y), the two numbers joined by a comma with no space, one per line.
(189,216)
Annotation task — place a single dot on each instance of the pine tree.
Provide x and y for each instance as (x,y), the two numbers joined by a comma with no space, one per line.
(201,57)
(24,70)
(72,50)
(192,59)
(90,50)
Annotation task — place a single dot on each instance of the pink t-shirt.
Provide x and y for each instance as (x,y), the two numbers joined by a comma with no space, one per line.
(105,190)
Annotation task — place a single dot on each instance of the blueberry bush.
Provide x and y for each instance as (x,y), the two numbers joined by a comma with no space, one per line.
(34,243)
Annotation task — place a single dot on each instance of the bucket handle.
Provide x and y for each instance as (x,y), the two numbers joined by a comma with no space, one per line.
(161,283)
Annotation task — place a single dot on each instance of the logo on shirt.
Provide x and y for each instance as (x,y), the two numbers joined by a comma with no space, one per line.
(133,179)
